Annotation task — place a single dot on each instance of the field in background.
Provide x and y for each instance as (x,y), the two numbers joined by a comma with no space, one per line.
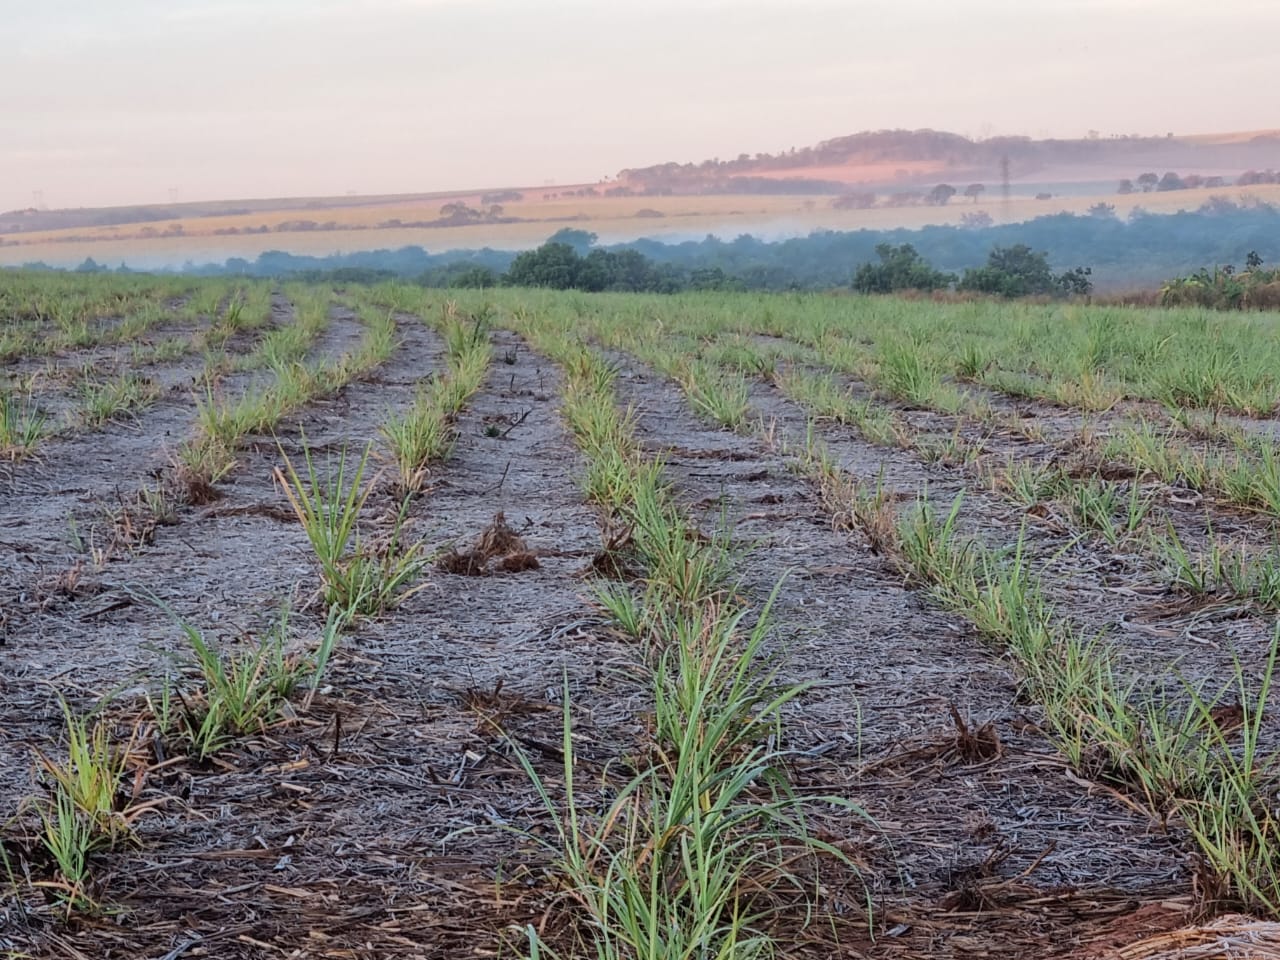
(615,219)
(387,622)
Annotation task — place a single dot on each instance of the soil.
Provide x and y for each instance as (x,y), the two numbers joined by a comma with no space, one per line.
(393,817)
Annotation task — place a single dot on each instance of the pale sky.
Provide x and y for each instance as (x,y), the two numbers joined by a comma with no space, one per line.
(137,101)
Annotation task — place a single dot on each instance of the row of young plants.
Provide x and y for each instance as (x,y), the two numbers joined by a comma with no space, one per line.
(424,433)
(360,575)
(96,795)
(24,425)
(1190,752)
(1117,512)
(704,846)
(46,313)
(222,423)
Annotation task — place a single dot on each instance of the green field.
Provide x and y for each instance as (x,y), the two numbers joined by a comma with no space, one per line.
(394,622)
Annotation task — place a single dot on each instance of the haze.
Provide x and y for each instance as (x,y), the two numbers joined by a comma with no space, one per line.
(149,101)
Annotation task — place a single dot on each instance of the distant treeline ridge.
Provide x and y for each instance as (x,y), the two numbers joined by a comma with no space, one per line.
(1139,252)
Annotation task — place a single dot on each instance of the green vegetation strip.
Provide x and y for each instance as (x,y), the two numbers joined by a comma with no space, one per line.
(665,869)
(1174,752)
(424,433)
(209,456)
(1194,754)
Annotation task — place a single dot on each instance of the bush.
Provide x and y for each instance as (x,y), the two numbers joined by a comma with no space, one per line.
(1019,271)
(1224,289)
(900,268)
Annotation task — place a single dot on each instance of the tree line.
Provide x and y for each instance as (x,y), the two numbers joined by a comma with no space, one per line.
(1015,271)
(1140,251)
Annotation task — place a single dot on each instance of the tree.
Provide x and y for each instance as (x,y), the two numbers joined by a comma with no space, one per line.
(1170,181)
(553,265)
(973,191)
(1076,283)
(1016,271)
(1147,182)
(900,268)
(939,195)
(578,240)
(1103,211)
(1126,187)
(458,211)
(1019,271)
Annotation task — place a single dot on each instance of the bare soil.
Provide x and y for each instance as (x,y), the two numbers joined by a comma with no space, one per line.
(393,819)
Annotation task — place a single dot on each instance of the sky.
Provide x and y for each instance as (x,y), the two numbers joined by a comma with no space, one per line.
(149,101)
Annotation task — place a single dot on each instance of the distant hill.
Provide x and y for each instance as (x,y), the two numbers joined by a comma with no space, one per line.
(887,158)
(884,168)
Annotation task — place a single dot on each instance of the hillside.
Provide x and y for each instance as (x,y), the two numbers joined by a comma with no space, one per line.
(902,158)
(875,180)
(884,160)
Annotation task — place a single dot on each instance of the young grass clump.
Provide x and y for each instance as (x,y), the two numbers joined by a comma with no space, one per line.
(105,400)
(823,398)
(358,578)
(1030,483)
(1107,508)
(421,435)
(1221,570)
(232,695)
(716,394)
(22,426)
(221,696)
(907,372)
(87,810)
(703,850)
(1233,817)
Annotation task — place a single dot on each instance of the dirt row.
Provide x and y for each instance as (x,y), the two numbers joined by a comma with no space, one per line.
(1114,590)
(1012,835)
(375,826)
(340,835)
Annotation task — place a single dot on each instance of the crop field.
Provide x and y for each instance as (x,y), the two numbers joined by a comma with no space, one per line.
(378,224)
(388,622)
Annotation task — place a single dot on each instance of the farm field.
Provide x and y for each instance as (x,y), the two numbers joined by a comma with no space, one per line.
(388,622)
(616,219)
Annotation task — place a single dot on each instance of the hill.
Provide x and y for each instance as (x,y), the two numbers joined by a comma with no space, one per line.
(873,180)
(902,158)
